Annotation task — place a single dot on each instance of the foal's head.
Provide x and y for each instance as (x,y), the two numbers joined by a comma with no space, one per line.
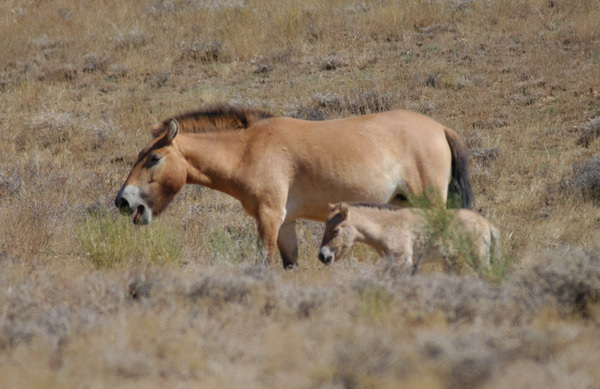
(156,177)
(339,234)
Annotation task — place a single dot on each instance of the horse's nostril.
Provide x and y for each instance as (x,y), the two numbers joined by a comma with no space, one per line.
(123,205)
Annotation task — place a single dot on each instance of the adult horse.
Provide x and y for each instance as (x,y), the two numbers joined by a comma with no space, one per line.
(282,169)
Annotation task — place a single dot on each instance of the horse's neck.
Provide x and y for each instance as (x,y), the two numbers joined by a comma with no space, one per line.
(212,159)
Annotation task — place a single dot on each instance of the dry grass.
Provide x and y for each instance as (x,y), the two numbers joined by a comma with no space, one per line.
(354,326)
(107,241)
(80,83)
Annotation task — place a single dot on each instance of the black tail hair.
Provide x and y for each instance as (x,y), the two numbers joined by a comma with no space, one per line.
(460,191)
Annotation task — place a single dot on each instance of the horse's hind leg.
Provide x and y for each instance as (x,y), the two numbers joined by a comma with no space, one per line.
(287,241)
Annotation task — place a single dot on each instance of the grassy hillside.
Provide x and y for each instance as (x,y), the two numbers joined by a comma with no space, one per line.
(182,303)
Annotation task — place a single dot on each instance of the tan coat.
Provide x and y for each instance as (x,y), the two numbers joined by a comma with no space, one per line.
(282,169)
(400,233)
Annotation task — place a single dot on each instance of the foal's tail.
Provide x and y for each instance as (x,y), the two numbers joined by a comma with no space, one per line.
(495,244)
(460,185)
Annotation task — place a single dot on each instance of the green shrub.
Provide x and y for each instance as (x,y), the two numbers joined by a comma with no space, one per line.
(444,231)
(458,246)
(107,240)
(233,243)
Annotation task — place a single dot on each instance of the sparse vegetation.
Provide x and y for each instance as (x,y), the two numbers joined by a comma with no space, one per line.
(355,325)
(80,83)
(107,241)
(583,180)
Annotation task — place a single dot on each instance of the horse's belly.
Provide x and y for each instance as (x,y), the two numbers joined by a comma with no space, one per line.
(312,201)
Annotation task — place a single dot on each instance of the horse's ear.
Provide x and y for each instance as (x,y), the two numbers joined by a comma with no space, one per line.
(332,207)
(172,130)
(344,210)
(157,129)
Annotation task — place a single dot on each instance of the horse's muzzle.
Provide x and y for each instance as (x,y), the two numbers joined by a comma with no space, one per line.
(130,202)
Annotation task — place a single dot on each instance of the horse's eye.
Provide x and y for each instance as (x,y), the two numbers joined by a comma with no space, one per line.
(153,160)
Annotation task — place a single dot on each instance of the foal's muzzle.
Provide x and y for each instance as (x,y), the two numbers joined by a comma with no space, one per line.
(326,256)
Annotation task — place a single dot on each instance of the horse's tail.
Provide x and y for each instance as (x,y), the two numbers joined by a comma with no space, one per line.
(460,185)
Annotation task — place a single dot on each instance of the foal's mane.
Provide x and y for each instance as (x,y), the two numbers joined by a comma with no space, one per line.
(214,118)
(389,207)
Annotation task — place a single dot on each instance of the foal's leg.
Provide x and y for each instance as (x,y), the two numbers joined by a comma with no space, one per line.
(404,255)
(406,260)
(417,262)
(287,241)
(414,252)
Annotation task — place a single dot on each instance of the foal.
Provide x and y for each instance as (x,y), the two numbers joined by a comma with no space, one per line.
(398,233)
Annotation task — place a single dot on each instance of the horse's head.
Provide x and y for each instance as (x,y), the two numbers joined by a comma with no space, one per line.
(339,234)
(156,177)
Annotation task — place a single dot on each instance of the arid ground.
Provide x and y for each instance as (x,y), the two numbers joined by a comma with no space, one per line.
(89,300)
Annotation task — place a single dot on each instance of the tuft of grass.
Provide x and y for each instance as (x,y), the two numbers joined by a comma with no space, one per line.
(500,266)
(373,301)
(106,241)
(583,180)
(204,51)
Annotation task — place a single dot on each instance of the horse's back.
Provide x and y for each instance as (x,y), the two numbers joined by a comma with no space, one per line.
(395,122)
(405,143)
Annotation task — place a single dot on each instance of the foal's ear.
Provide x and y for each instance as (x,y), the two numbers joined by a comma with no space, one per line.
(343,210)
(172,130)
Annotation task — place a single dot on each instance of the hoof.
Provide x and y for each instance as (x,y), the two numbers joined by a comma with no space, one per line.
(290,265)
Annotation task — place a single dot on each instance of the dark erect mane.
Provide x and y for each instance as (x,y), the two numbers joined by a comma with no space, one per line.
(390,207)
(215,118)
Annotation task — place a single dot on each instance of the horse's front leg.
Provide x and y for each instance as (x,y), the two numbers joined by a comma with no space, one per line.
(269,223)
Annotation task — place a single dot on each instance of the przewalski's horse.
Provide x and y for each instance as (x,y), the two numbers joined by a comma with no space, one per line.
(282,169)
(400,233)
